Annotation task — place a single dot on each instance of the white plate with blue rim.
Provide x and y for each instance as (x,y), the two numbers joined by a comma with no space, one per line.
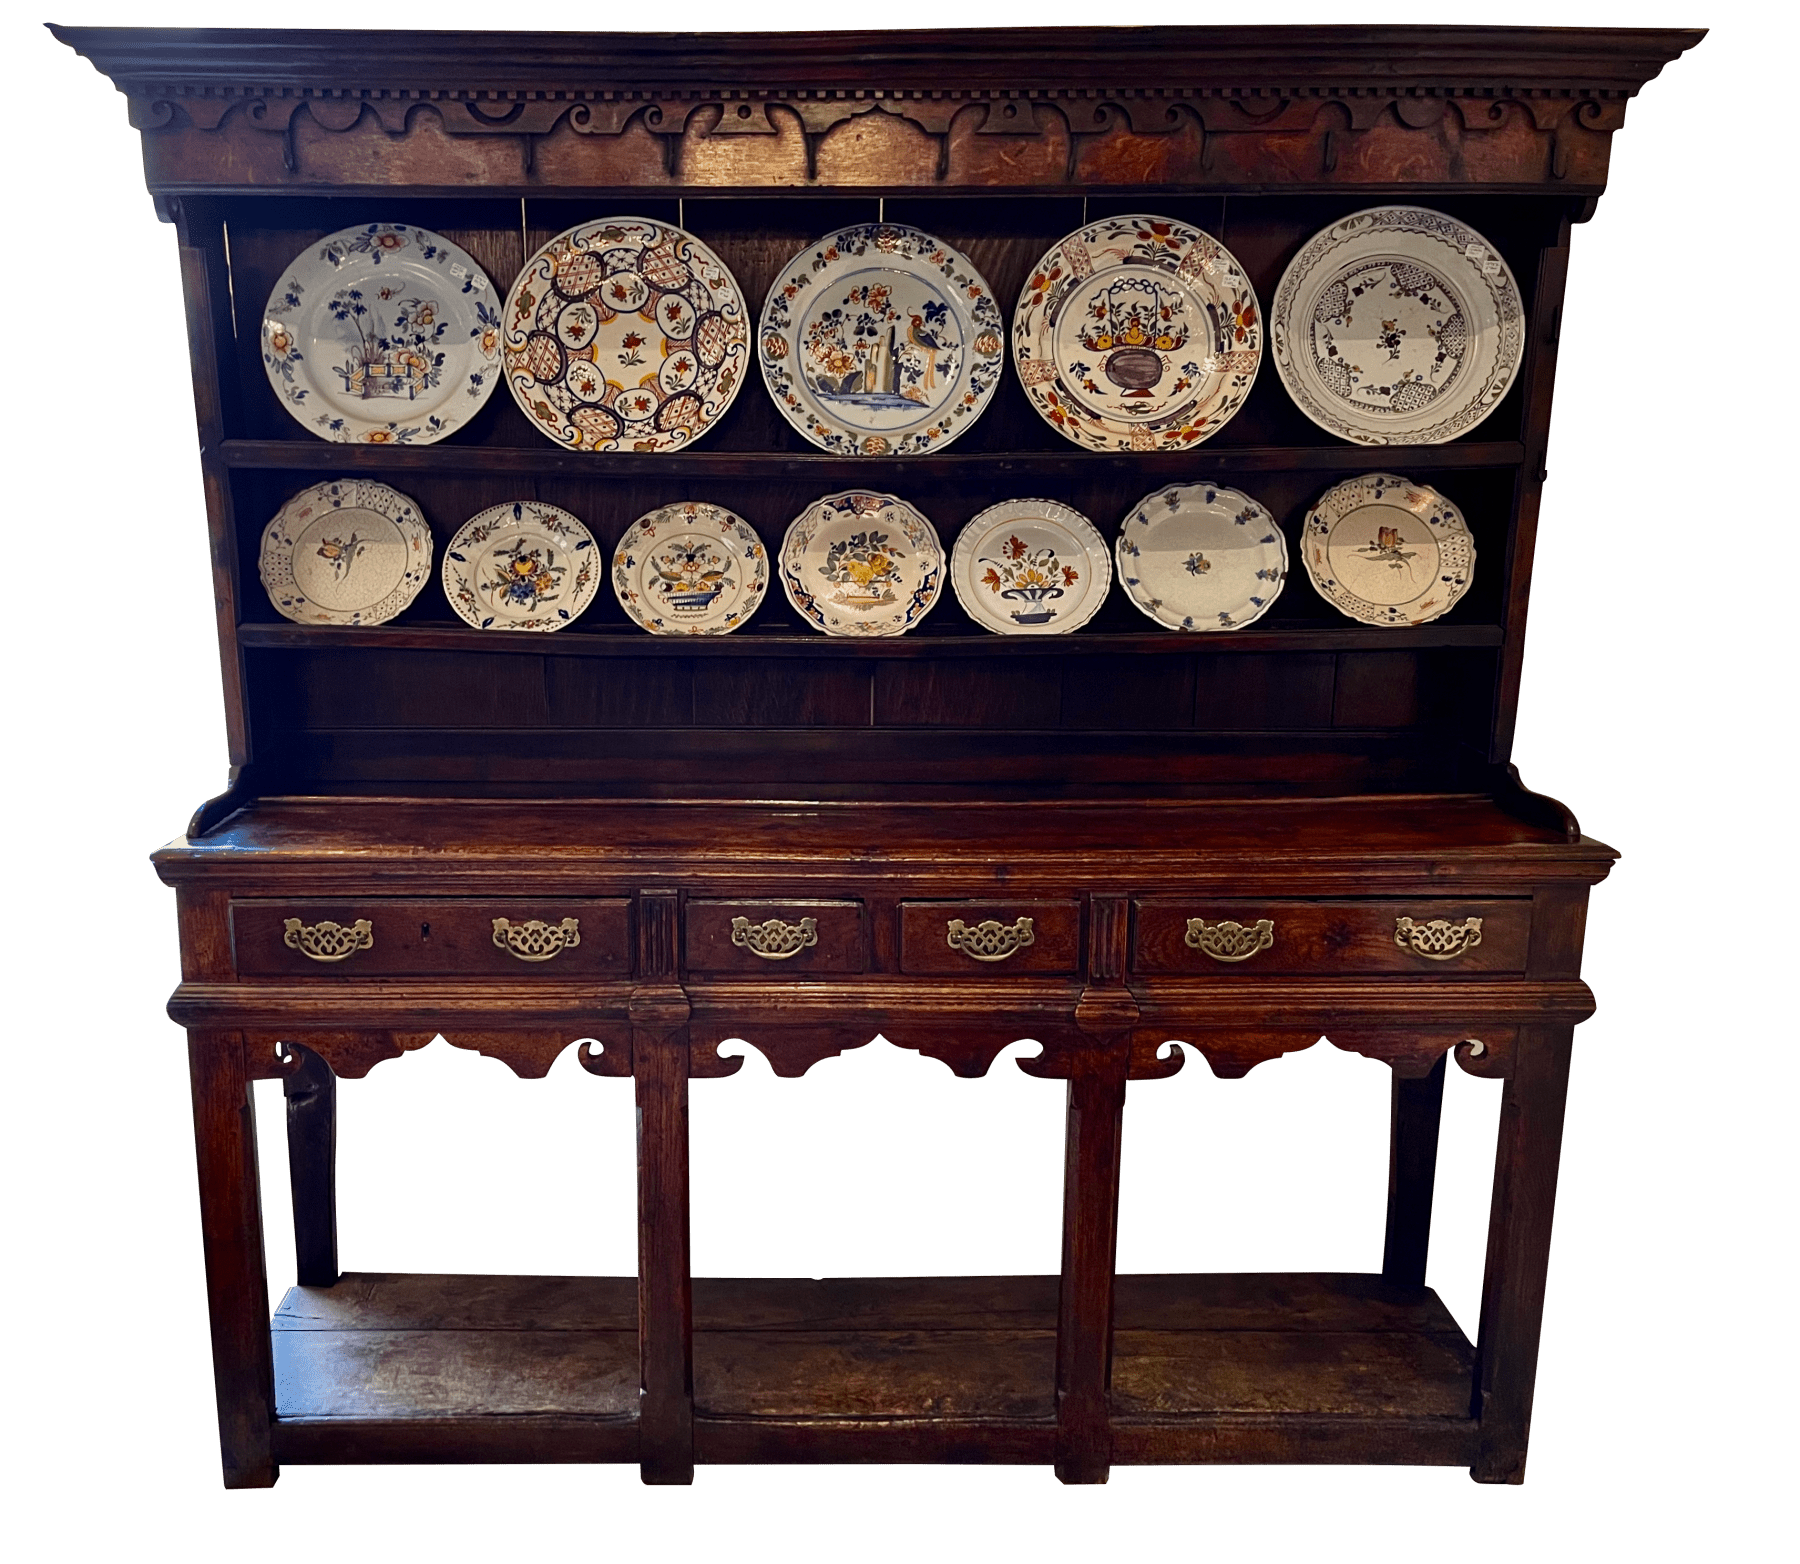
(859,563)
(1200,556)
(521,566)
(1030,567)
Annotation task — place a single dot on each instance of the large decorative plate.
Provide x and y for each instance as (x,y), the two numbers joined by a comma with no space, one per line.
(384,334)
(880,340)
(861,564)
(690,569)
(1137,334)
(1199,556)
(625,335)
(1388,552)
(523,566)
(1397,326)
(345,553)
(1030,567)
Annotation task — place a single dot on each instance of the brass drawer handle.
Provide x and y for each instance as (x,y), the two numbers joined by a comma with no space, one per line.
(1438,940)
(1228,941)
(536,940)
(772,939)
(327,941)
(989,940)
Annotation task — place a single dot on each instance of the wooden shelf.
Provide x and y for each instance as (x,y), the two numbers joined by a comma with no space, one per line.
(1246,1367)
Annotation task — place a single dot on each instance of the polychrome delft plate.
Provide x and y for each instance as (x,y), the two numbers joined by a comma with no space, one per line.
(1137,334)
(345,553)
(1199,556)
(1388,552)
(1397,326)
(880,340)
(861,564)
(625,335)
(1030,567)
(385,335)
(523,566)
(690,569)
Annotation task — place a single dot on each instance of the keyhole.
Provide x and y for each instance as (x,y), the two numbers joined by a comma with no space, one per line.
(424,931)
(743,111)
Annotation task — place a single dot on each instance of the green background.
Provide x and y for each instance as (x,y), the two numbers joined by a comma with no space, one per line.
(1653,701)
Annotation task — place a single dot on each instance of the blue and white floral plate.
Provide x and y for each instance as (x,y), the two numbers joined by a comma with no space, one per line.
(690,569)
(1200,556)
(385,334)
(1030,567)
(1386,551)
(345,553)
(858,563)
(523,566)
(881,340)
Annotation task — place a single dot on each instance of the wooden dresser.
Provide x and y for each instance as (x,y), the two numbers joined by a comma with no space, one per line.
(645,845)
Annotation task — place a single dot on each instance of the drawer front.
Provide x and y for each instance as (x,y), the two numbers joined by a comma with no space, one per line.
(990,937)
(776,938)
(554,937)
(1329,936)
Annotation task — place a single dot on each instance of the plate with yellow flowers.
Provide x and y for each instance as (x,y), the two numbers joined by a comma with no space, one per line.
(522,566)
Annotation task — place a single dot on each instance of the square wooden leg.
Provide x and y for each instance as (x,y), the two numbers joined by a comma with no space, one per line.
(1418,1106)
(311,1093)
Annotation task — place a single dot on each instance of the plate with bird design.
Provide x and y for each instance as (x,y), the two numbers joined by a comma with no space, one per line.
(1200,556)
(345,553)
(1137,334)
(1386,551)
(690,569)
(1030,567)
(881,340)
(858,563)
(521,566)
(1397,326)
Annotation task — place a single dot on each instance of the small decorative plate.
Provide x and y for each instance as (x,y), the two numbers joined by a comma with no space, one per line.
(861,564)
(384,335)
(1397,326)
(1388,552)
(625,335)
(690,569)
(1199,556)
(1137,334)
(1030,567)
(880,340)
(523,566)
(345,553)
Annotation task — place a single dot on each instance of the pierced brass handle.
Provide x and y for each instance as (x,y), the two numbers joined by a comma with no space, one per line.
(1438,940)
(327,941)
(1228,941)
(536,940)
(989,940)
(772,939)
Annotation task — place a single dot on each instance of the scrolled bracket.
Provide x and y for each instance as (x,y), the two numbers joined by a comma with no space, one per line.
(773,939)
(536,940)
(327,941)
(1438,940)
(989,940)
(1229,941)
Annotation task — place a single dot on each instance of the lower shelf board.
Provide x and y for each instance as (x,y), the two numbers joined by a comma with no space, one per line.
(1208,1367)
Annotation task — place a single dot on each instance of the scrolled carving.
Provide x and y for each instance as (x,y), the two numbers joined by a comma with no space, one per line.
(774,940)
(327,941)
(1438,940)
(1227,940)
(989,940)
(536,940)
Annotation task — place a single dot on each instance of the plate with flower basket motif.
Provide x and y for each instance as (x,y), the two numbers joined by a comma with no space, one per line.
(1397,326)
(384,334)
(1386,551)
(522,566)
(1200,556)
(345,553)
(1030,567)
(625,335)
(861,564)
(881,340)
(1137,334)
(690,569)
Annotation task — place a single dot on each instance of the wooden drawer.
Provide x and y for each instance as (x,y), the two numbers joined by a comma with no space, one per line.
(989,936)
(440,937)
(777,938)
(1328,936)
